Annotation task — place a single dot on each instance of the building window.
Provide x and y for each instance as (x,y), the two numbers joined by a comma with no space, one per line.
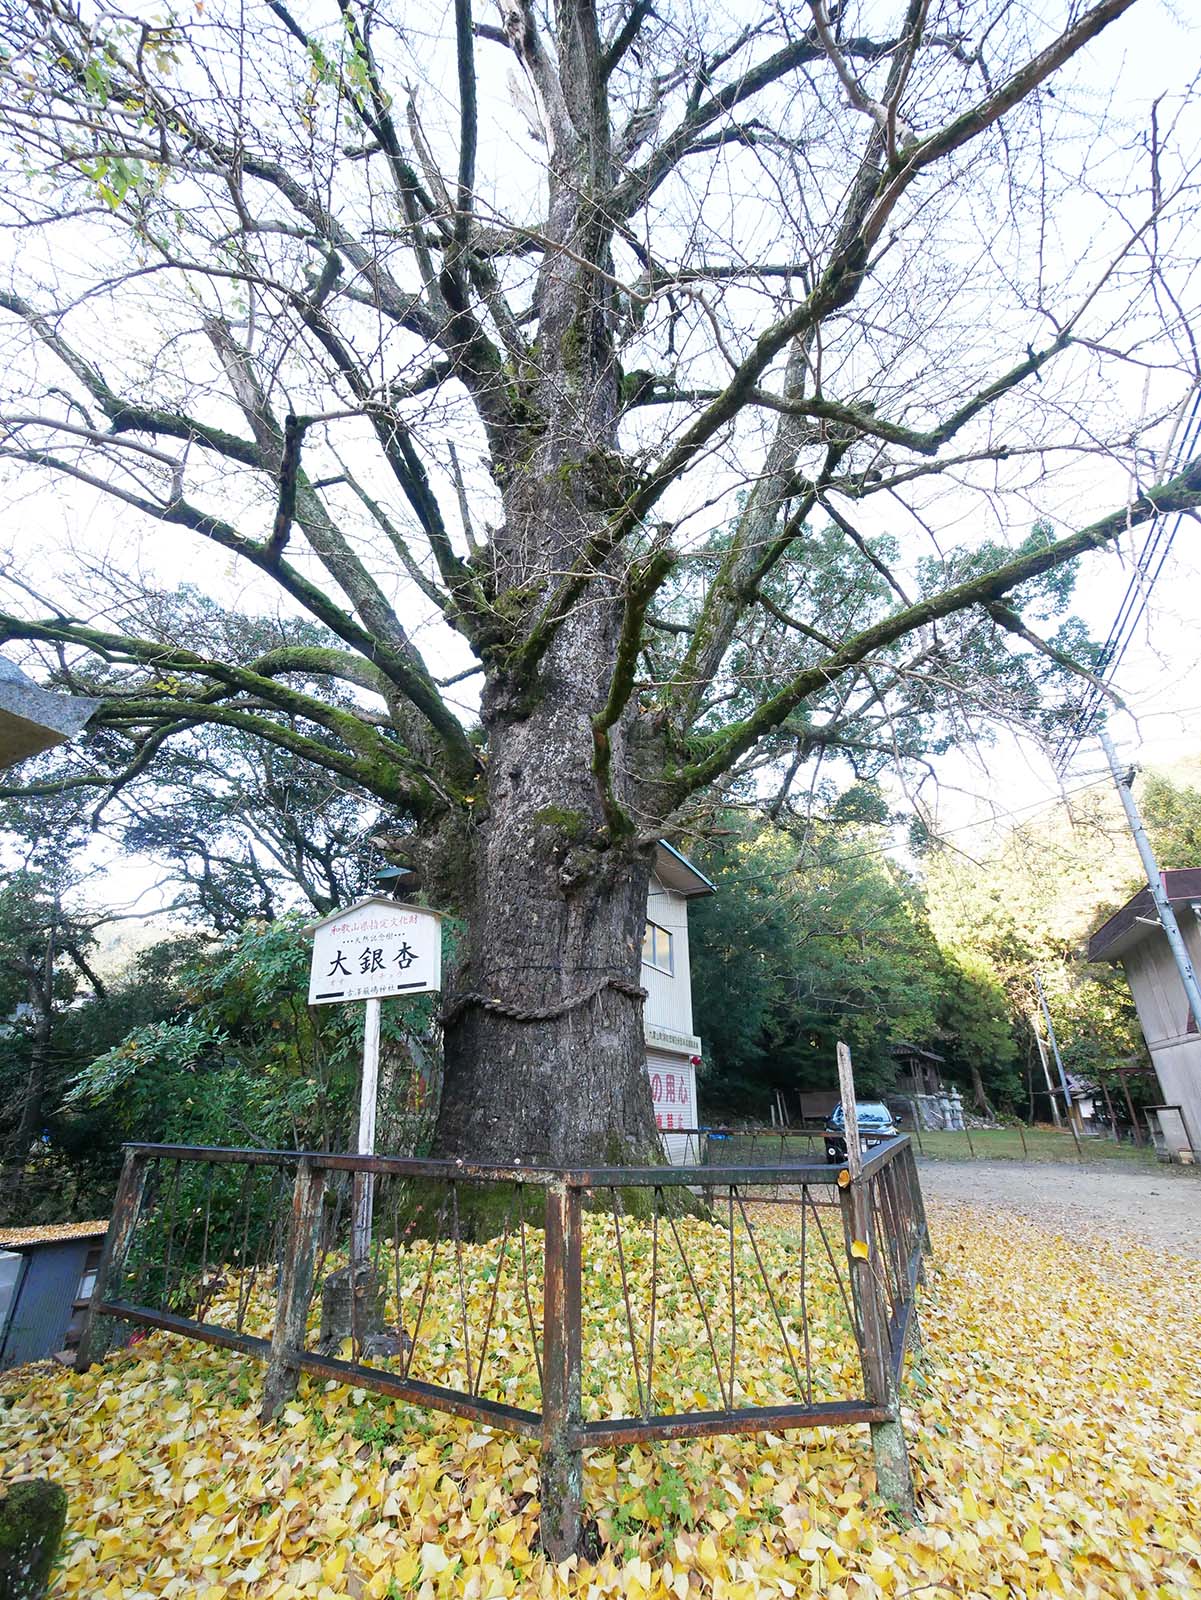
(83,1295)
(656,948)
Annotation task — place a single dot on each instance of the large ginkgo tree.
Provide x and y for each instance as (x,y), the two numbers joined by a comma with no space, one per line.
(642,399)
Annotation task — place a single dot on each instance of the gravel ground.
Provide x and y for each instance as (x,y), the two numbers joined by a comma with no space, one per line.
(1161,1208)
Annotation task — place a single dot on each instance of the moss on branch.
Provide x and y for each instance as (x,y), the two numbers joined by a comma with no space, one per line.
(1182,493)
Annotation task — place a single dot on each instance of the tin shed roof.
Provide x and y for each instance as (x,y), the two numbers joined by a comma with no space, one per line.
(1138,919)
(50,1233)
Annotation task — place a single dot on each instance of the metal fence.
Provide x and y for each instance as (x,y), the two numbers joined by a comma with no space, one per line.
(751,1147)
(1009,1142)
(1020,1142)
(581,1308)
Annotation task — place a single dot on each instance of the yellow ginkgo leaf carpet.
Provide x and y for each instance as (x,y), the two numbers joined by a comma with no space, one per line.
(1054,1415)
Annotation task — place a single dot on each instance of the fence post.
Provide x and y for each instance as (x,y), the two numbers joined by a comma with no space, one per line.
(295,1288)
(894,1481)
(562,1463)
(917,1121)
(919,1202)
(1075,1135)
(893,1477)
(127,1206)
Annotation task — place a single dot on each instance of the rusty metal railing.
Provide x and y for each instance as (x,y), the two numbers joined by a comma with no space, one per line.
(579,1307)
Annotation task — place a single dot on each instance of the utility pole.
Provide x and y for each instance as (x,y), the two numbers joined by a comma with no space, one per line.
(1167,917)
(1063,1077)
(1068,1109)
(1042,1056)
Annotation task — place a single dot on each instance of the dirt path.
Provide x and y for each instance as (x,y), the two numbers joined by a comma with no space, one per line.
(1159,1208)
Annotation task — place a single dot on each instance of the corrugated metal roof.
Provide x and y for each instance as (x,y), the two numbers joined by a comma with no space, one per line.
(50,1233)
(1137,919)
(678,873)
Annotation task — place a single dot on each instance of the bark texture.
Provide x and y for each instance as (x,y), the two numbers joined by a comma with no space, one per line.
(571,1085)
(545,1059)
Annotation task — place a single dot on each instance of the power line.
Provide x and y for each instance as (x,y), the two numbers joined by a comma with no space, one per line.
(1157,545)
(887,852)
(1156,548)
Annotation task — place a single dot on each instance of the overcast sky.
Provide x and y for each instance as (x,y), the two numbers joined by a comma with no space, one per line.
(1152,52)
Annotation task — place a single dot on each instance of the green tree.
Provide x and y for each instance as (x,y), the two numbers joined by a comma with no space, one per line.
(975,1032)
(805,943)
(1026,907)
(246,832)
(1172,813)
(45,951)
(242,1059)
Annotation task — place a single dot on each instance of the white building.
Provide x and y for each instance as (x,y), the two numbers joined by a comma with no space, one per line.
(1134,938)
(673,1051)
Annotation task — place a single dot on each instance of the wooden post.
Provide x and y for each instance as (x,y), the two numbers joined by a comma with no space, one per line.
(893,1477)
(917,1121)
(850,1112)
(562,1462)
(1139,1138)
(850,1215)
(1022,1137)
(1071,1118)
(1113,1121)
(894,1480)
(364,1182)
(295,1289)
(127,1206)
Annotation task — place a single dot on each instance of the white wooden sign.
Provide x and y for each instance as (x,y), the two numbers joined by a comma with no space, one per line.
(375,948)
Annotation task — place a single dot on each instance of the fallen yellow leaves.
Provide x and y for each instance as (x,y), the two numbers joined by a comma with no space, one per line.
(1054,1417)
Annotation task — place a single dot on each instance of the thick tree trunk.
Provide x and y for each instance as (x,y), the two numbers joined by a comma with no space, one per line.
(545,1059)
(545,1055)
(568,1088)
(978,1093)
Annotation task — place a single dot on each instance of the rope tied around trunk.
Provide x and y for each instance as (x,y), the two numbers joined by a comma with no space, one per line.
(501,1008)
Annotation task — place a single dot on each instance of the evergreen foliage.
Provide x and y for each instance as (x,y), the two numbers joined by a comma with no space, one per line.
(807,943)
(223,1050)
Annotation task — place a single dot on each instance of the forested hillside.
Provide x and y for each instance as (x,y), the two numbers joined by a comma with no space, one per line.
(822,934)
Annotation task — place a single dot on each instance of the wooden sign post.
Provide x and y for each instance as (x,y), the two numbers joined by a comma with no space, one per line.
(893,1479)
(373,949)
(368,1101)
(850,1112)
